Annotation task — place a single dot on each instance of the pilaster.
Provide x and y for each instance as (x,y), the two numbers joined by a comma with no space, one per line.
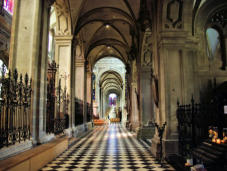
(80,82)
(63,57)
(175,76)
(28,53)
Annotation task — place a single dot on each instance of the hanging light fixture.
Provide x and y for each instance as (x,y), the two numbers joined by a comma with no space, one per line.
(107,26)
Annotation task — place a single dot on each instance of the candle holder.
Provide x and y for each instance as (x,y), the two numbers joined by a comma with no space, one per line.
(160,135)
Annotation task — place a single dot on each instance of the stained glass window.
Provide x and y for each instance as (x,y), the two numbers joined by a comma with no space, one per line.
(8,6)
(213,42)
(112,99)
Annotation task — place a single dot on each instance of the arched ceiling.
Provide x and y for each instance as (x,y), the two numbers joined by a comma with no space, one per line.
(111,80)
(105,26)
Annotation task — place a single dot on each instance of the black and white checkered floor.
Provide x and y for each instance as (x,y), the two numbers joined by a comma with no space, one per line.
(109,147)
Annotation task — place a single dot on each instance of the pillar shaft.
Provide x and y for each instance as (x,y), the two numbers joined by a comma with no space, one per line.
(63,54)
(28,53)
(80,83)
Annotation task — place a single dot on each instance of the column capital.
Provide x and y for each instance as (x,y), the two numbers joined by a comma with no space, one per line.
(80,62)
(63,38)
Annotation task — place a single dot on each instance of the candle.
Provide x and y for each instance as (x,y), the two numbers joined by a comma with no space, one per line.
(218,141)
(214,140)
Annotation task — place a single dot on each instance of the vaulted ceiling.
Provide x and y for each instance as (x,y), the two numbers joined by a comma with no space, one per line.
(111,81)
(105,26)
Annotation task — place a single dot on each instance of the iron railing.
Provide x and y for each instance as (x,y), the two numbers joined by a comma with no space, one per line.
(51,96)
(57,99)
(193,123)
(15,108)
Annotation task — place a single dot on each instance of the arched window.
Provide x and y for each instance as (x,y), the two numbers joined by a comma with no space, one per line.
(213,42)
(52,29)
(8,6)
(112,99)
(50,45)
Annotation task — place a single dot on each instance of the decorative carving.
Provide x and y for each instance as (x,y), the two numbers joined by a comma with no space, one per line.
(147,57)
(15,107)
(174,13)
(63,19)
(147,49)
(144,19)
(220,18)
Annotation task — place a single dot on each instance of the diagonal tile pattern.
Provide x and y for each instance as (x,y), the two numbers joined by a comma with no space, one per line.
(109,147)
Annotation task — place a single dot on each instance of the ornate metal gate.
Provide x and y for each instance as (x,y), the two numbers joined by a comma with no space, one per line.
(15,108)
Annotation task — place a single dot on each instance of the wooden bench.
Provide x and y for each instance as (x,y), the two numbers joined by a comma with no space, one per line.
(114,120)
(99,122)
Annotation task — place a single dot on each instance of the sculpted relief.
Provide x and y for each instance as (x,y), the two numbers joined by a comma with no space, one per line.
(63,18)
(147,49)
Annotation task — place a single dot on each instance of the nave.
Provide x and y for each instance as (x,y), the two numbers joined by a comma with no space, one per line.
(108,147)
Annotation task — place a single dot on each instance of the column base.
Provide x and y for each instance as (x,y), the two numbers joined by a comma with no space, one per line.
(134,126)
(6,152)
(80,129)
(145,132)
(169,146)
(69,132)
(46,138)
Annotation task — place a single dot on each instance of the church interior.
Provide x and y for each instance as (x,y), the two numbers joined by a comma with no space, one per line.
(113,85)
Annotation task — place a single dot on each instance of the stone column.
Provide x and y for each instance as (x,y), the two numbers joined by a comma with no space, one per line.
(63,57)
(101,102)
(134,106)
(89,88)
(80,81)
(225,40)
(73,83)
(176,75)
(28,53)
(147,103)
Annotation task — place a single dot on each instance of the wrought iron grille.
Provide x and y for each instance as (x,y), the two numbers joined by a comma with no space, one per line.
(52,69)
(59,126)
(193,123)
(57,99)
(15,108)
